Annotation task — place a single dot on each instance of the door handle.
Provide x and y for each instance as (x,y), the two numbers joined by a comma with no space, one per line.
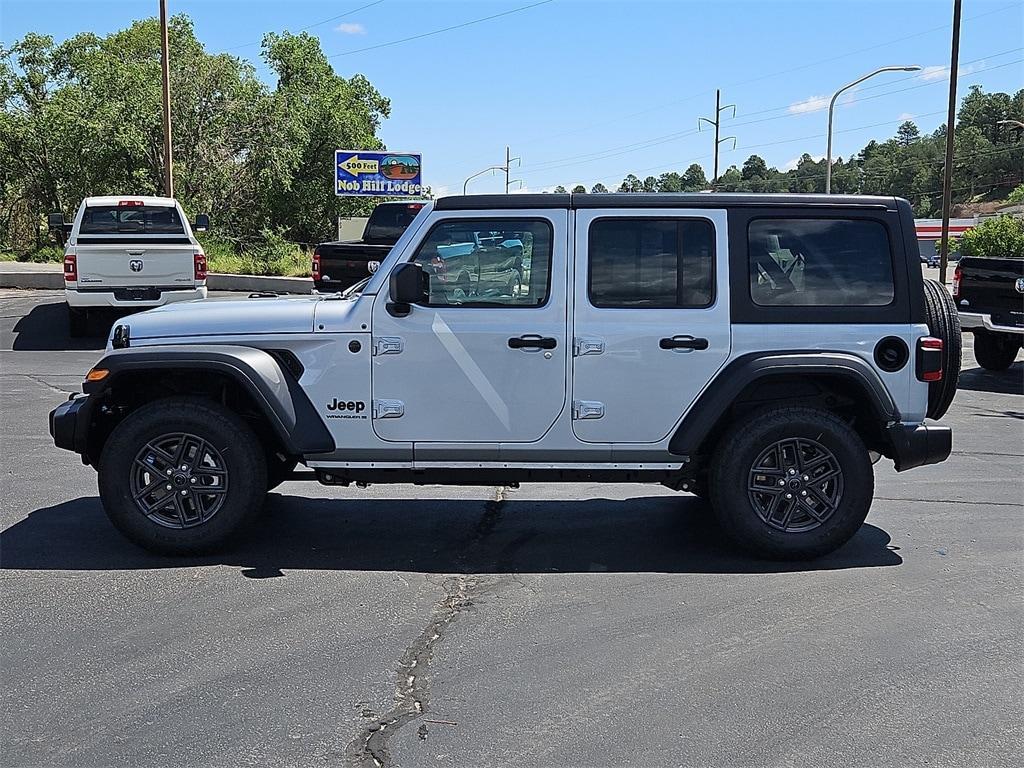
(532,342)
(683,342)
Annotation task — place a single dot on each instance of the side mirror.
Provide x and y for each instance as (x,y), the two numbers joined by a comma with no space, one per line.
(409,284)
(55,222)
(202,223)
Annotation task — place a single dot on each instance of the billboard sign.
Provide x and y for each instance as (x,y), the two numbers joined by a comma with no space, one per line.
(361,173)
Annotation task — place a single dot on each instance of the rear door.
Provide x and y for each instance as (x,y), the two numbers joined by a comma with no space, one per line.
(134,245)
(650,319)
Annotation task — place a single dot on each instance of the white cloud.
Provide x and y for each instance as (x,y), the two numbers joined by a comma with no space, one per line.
(350,28)
(810,104)
(439,191)
(791,165)
(941,71)
(905,116)
(936,72)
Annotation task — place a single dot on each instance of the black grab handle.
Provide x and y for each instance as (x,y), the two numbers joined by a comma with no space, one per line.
(532,342)
(683,342)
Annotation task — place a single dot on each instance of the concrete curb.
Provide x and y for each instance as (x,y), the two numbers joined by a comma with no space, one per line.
(51,277)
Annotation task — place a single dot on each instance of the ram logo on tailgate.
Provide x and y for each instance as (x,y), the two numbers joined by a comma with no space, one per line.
(135,265)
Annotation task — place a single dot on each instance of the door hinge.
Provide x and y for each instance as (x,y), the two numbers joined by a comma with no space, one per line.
(388,345)
(587,409)
(388,409)
(581,347)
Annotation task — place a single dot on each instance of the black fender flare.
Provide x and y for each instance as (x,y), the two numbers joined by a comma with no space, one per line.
(274,389)
(723,390)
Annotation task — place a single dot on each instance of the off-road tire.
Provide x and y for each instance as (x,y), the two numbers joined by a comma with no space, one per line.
(995,351)
(732,470)
(78,322)
(237,445)
(943,323)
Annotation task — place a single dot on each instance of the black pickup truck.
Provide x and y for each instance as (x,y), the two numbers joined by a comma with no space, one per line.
(341,263)
(989,294)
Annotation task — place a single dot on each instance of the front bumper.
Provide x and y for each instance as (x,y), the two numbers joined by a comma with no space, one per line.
(69,425)
(915,445)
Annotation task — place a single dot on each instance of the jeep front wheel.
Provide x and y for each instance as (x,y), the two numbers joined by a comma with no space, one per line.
(791,483)
(182,475)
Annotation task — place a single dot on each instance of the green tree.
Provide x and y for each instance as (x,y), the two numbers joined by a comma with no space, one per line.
(560,190)
(907,133)
(598,188)
(998,238)
(754,167)
(631,184)
(694,179)
(579,188)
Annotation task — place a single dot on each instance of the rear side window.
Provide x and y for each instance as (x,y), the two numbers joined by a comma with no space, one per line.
(388,222)
(820,262)
(651,263)
(135,219)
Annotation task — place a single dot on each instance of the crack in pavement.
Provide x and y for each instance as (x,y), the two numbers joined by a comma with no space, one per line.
(38,380)
(412,690)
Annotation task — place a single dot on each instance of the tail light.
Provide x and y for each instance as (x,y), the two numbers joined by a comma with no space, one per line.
(129,203)
(315,266)
(70,268)
(929,359)
(199,260)
(956,282)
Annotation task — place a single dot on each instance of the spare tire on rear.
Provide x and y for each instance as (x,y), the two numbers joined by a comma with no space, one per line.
(943,323)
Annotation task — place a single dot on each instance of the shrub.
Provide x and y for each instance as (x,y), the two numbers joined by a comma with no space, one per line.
(1001,237)
(270,254)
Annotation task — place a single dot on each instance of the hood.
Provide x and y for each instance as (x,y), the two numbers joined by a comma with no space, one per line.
(225,317)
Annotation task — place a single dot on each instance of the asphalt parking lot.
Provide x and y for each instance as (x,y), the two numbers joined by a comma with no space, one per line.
(552,625)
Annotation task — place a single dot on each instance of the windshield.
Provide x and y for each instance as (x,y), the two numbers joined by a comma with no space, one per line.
(388,221)
(134,219)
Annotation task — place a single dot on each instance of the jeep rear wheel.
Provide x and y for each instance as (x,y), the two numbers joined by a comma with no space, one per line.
(182,475)
(791,483)
(995,351)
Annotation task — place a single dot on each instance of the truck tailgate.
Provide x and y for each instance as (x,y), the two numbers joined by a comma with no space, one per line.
(127,264)
(990,286)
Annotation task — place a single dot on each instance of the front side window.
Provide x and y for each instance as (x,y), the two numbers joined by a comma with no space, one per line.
(131,219)
(488,262)
(820,262)
(651,263)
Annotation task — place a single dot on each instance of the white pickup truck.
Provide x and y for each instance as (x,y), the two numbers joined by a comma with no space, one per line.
(129,252)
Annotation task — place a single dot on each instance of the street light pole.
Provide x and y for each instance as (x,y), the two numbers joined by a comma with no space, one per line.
(165,66)
(831,107)
(465,184)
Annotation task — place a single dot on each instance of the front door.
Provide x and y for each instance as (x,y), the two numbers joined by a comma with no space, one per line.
(651,319)
(485,358)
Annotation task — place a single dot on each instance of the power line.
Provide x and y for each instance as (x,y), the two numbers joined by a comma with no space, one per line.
(691,97)
(601,154)
(439,31)
(315,24)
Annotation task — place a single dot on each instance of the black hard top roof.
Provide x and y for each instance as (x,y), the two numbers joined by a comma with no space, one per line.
(657,200)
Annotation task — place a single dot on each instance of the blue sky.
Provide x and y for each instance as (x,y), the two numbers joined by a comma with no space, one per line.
(588,91)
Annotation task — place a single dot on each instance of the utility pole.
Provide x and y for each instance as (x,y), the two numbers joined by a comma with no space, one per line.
(947,176)
(717,122)
(508,164)
(165,66)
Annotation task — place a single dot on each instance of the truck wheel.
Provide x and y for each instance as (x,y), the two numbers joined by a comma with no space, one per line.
(180,476)
(943,323)
(78,322)
(791,483)
(995,351)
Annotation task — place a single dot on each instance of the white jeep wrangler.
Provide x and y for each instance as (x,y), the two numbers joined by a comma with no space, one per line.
(759,350)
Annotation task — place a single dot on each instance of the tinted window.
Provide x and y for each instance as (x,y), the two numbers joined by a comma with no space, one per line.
(819,262)
(488,262)
(135,219)
(651,263)
(388,222)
